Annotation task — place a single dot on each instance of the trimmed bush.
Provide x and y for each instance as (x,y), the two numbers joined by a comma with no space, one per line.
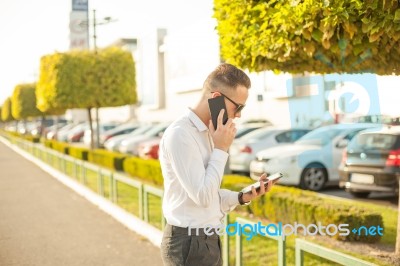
(79,152)
(289,205)
(33,139)
(62,147)
(149,170)
(106,158)
(48,143)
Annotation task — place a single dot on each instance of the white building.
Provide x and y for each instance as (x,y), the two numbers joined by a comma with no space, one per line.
(173,61)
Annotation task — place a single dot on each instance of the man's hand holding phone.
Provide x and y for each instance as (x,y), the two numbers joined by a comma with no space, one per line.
(224,135)
(252,192)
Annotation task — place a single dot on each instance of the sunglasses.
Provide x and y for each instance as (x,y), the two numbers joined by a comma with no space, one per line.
(239,107)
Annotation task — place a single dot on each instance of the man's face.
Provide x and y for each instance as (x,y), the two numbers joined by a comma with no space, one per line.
(237,98)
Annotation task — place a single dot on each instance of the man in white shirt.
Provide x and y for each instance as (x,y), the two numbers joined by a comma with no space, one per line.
(193,156)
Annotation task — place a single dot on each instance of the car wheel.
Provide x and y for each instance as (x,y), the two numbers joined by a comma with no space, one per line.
(361,195)
(314,177)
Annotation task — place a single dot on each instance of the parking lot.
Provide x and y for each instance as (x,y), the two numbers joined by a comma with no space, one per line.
(385,199)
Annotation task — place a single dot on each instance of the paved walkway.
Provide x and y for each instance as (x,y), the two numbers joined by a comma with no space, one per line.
(42,222)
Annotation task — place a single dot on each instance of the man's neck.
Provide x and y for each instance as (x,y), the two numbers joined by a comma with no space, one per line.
(201,110)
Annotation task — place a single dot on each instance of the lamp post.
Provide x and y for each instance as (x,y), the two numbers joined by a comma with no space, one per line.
(96,23)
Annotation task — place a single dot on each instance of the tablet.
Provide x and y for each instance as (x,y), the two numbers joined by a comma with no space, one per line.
(256,185)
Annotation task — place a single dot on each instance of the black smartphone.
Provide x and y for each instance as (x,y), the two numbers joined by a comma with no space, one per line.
(257,184)
(216,105)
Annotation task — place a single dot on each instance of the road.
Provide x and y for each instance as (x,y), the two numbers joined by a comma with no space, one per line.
(386,199)
(45,223)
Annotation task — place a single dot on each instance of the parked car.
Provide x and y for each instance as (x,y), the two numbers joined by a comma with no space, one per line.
(50,132)
(113,143)
(244,129)
(62,133)
(131,144)
(149,149)
(76,133)
(43,126)
(371,162)
(377,119)
(244,149)
(119,130)
(312,161)
(103,128)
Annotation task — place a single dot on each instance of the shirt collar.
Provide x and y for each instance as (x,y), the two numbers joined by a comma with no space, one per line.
(196,121)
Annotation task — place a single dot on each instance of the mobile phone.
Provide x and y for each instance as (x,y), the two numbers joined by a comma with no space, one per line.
(256,185)
(216,105)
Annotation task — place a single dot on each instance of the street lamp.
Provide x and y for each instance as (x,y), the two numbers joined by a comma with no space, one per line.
(96,23)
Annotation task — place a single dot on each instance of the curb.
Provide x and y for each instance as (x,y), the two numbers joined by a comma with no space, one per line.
(133,223)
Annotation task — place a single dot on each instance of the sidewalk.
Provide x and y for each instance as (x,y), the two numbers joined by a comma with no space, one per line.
(42,222)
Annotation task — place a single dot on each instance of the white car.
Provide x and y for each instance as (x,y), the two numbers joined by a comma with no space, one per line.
(311,162)
(87,139)
(244,149)
(130,145)
(112,144)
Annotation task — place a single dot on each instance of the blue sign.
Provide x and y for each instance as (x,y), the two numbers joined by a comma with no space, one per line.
(80,5)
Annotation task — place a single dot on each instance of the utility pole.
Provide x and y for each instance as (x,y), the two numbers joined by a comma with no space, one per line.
(96,23)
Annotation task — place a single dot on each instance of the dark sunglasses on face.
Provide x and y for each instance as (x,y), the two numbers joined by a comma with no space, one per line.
(239,107)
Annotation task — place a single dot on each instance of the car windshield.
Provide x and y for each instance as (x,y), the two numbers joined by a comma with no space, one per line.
(373,141)
(321,136)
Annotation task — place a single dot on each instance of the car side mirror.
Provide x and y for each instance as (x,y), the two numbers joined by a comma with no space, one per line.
(342,143)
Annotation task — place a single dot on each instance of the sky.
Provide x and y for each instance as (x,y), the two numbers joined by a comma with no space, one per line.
(30,29)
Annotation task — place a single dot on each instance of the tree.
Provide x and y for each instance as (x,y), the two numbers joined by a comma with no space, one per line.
(6,114)
(84,79)
(24,102)
(316,36)
(320,36)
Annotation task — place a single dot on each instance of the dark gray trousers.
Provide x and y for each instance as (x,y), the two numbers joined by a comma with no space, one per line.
(178,248)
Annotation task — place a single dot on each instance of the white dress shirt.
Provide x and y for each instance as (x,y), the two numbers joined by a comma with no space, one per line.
(192,169)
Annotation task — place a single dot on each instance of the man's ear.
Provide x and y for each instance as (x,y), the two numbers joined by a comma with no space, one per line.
(215,94)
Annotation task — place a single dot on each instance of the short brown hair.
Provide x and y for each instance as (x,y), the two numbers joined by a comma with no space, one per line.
(225,78)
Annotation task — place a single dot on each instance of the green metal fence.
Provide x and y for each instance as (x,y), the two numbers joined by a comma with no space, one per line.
(329,254)
(280,239)
(105,182)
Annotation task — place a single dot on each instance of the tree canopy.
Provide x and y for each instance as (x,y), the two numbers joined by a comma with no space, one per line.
(24,102)
(6,115)
(85,79)
(320,36)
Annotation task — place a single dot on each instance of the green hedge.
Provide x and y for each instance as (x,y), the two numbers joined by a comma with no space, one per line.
(79,152)
(289,205)
(62,147)
(106,158)
(149,170)
(30,138)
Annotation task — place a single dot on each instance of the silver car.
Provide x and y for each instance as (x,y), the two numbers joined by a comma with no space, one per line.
(130,145)
(112,144)
(312,161)
(244,149)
